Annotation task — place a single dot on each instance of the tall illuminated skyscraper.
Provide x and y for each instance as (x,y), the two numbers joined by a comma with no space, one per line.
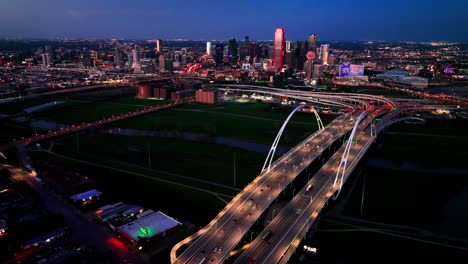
(289,54)
(162,63)
(208,48)
(325,49)
(279,47)
(158,45)
(135,58)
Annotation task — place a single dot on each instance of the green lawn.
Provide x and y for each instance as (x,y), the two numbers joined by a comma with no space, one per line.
(406,197)
(250,122)
(431,151)
(17,106)
(371,247)
(98,110)
(194,159)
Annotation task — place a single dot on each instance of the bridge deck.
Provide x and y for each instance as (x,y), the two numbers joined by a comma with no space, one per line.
(227,229)
(288,227)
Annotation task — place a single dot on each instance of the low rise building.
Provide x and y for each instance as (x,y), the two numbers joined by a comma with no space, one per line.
(150,226)
(182,95)
(207,97)
(86,197)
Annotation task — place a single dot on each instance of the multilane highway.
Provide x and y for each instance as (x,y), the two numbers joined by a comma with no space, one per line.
(287,228)
(217,239)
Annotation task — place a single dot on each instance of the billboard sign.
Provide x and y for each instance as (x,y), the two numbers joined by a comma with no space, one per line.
(449,69)
(258,65)
(351,70)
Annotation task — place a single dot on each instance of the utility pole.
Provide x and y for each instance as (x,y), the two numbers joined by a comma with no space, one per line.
(234,168)
(363,189)
(149,155)
(77,143)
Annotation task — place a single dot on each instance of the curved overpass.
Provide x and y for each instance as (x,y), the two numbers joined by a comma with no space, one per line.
(216,240)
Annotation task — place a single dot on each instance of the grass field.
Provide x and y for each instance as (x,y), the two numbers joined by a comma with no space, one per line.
(258,122)
(98,110)
(406,197)
(425,171)
(351,245)
(431,146)
(205,161)
(18,106)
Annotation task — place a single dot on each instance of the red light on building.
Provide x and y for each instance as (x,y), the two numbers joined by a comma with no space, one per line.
(115,242)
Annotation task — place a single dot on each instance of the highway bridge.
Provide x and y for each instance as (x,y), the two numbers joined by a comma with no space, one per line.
(215,242)
(227,229)
(80,127)
(292,223)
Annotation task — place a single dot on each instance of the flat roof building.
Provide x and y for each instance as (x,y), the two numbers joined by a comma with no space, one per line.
(150,226)
(86,197)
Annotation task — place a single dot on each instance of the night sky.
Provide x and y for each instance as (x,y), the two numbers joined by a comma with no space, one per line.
(418,20)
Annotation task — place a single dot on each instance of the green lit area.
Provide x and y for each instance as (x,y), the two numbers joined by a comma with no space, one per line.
(144,232)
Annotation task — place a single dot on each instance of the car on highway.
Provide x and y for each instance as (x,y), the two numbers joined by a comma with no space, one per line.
(267,236)
(309,187)
(298,212)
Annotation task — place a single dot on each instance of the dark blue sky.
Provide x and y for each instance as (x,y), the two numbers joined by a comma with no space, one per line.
(418,20)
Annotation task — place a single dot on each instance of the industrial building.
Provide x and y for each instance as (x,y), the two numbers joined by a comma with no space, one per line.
(161,93)
(149,225)
(186,84)
(182,95)
(207,97)
(145,91)
(118,214)
(86,197)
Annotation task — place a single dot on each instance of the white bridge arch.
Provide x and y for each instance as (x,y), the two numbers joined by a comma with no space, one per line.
(271,153)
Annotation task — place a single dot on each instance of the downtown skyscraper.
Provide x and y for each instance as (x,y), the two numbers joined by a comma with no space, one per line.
(233,52)
(278,50)
(312,45)
(324,51)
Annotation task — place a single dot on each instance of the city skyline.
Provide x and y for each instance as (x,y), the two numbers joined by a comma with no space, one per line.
(235,132)
(362,20)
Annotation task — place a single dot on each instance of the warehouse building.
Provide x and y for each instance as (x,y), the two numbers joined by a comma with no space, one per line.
(149,225)
(207,97)
(182,95)
(86,197)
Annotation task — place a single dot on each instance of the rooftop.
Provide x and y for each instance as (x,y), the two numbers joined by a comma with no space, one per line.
(149,226)
(85,195)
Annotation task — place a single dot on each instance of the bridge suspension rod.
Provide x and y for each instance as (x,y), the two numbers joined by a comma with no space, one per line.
(340,173)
